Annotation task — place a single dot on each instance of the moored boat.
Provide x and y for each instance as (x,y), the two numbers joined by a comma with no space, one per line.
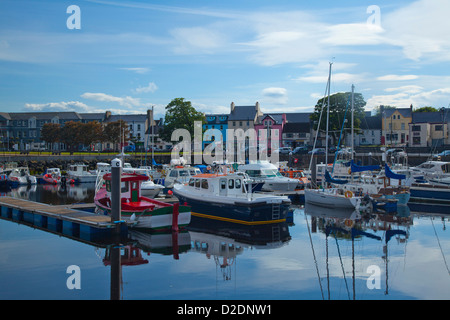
(268,173)
(79,174)
(21,176)
(52,176)
(142,211)
(224,197)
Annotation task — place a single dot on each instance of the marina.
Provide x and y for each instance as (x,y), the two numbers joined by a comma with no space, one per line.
(319,254)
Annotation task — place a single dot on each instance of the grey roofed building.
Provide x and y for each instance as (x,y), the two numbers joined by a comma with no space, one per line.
(293,127)
(431,117)
(298,117)
(243,113)
(371,123)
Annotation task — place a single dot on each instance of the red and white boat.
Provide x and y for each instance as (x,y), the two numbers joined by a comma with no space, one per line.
(52,176)
(142,211)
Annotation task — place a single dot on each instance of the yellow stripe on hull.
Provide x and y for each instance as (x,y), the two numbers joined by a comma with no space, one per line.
(250,223)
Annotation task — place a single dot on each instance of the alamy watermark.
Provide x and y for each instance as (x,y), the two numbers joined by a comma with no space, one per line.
(240,145)
(74,20)
(74,280)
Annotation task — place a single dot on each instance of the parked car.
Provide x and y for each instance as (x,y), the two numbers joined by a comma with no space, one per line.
(317,151)
(299,150)
(283,150)
(445,153)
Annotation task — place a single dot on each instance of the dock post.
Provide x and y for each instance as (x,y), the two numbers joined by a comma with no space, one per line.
(116,173)
(175,213)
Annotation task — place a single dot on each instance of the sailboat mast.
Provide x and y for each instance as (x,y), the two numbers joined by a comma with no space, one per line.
(353,105)
(328,116)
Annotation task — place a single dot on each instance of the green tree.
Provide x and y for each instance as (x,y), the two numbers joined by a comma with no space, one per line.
(71,134)
(339,104)
(116,132)
(426,109)
(91,132)
(51,132)
(180,114)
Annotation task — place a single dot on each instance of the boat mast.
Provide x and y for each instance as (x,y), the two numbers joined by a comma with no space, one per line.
(353,105)
(328,116)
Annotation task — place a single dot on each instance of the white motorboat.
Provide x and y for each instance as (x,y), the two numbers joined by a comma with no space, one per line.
(263,171)
(332,198)
(224,197)
(21,176)
(79,174)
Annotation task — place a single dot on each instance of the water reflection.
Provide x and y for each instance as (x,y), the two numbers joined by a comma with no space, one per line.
(324,254)
(345,225)
(225,241)
(55,194)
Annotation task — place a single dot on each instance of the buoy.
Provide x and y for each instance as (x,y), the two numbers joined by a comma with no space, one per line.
(348,194)
(170,192)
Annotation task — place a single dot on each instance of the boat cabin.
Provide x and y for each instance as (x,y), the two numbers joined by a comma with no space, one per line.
(260,170)
(222,185)
(78,169)
(130,186)
(433,167)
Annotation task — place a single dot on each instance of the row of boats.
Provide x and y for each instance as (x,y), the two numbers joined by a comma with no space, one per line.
(256,193)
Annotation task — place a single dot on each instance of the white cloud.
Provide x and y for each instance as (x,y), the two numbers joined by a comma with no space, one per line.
(137,70)
(275,95)
(420,29)
(126,101)
(406,89)
(197,40)
(58,107)
(151,87)
(395,77)
(407,95)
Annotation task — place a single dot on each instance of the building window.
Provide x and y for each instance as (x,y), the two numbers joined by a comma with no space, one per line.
(234,123)
(403,126)
(240,123)
(415,128)
(438,127)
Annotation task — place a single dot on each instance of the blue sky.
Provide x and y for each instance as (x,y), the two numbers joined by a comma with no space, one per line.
(131,55)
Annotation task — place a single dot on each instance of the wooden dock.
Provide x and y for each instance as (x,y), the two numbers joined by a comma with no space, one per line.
(58,218)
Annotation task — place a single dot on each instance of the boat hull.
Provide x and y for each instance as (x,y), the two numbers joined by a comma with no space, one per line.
(151,192)
(243,212)
(326,199)
(430,194)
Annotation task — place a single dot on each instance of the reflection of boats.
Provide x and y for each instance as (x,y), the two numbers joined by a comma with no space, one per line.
(80,174)
(52,176)
(143,211)
(224,197)
(171,243)
(347,226)
(224,241)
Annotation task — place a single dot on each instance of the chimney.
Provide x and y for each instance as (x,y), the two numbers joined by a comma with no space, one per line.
(232,107)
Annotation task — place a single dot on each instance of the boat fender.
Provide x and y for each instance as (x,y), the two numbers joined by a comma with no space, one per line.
(348,194)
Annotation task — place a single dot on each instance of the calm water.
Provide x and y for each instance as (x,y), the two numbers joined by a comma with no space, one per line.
(316,257)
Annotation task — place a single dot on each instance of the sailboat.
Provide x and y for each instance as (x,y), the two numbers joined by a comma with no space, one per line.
(334,197)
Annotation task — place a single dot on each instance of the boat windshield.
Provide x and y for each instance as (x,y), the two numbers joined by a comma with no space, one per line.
(183,173)
(271,173)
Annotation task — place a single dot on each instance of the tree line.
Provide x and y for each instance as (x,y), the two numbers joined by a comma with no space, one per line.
(74,133)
